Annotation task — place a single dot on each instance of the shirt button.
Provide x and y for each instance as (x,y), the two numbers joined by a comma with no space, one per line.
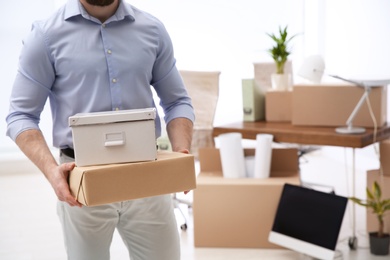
(103,25)
(109,51)
(113,80)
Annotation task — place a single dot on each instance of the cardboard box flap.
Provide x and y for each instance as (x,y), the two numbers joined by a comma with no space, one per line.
(284,161)
(210,160)
(112,116)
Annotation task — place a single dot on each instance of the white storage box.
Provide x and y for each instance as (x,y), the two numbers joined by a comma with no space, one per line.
(114,136)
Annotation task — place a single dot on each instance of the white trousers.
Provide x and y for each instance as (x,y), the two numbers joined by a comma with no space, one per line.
(147,226)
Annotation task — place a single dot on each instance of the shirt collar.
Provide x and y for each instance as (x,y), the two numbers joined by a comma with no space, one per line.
(74,8)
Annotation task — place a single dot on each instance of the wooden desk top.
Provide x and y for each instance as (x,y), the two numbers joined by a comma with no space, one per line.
(287,133)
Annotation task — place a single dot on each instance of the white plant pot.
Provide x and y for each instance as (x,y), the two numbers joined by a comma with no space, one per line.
(281,81)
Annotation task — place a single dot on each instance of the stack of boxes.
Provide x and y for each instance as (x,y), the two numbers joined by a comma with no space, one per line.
(117,159)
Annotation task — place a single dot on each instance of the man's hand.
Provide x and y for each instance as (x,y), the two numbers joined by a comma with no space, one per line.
(34,146)
(186,152)
(59,182)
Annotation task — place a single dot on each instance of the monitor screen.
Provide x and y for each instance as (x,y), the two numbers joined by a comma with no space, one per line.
(308,221)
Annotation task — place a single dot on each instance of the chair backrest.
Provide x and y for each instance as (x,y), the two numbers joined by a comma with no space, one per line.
(203,88)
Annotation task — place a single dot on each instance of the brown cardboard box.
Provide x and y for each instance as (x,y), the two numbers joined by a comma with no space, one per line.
(372,222)
(384,153)
(278,106)
(239,212)
(97,185)
(331,105)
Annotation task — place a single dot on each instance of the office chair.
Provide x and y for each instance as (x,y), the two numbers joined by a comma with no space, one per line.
(203,88)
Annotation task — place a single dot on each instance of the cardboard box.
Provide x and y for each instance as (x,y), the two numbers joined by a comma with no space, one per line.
(384,154)
(253,101)
(239,212)
(331,105)
(278,106)
(114,136)
(96,185)
(372,221)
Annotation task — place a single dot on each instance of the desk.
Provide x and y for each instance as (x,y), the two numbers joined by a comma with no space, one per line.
(288,133)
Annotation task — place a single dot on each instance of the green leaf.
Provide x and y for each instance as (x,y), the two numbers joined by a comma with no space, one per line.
(280,51)
(359,201)
(377,190)
(369,194)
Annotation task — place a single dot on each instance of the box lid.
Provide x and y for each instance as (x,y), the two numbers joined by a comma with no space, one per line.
(112,116)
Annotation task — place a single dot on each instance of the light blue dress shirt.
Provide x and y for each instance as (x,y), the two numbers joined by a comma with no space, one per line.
(83,65)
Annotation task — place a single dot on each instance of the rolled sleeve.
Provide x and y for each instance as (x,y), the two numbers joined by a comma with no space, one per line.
(31,86)
(174,98)
(169,85)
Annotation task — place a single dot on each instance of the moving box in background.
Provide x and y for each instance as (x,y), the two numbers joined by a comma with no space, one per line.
(278,106)
(239,212)
(331,105)
(97,185)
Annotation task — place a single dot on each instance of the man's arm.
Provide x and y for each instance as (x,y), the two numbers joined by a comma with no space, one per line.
(34,146)
(180,134)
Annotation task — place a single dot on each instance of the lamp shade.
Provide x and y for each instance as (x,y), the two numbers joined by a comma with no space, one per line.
(312,68)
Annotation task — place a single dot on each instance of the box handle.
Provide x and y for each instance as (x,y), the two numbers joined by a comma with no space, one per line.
(114,139)
(114,143)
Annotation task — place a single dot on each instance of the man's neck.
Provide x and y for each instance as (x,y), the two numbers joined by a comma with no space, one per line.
(101,12)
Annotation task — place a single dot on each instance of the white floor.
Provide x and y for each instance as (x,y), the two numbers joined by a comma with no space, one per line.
(30,230)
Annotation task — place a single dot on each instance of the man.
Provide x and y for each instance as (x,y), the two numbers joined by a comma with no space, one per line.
(90,56)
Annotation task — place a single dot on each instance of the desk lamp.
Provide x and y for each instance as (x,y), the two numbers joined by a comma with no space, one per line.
(313,69)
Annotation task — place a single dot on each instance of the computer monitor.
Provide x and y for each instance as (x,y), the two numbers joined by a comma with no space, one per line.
(308,221)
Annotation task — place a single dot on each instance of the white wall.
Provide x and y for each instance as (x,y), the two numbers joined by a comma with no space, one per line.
(357,38)
(229,35)
(226,35)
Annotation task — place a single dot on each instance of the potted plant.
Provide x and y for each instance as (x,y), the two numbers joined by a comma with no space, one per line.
(379,240)
(279,53)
